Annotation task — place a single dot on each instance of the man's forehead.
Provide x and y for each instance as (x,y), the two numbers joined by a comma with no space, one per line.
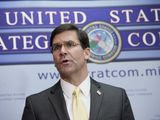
(66,36)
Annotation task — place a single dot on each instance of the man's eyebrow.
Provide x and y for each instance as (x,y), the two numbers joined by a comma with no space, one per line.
(64,41)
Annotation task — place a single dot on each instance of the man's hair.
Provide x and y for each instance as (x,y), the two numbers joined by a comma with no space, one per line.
(82,35)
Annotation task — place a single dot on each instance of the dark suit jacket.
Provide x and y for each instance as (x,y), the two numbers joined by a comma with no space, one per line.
(111,104)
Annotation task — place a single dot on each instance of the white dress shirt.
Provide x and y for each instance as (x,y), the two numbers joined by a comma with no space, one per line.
(68,89)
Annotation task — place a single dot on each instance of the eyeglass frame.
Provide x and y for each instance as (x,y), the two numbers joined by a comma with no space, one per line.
(67,44)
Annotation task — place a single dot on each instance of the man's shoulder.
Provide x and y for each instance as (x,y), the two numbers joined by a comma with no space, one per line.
(110,92)
(44,93)
(108,87)
(39,95)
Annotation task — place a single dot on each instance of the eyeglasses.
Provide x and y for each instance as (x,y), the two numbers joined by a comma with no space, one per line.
(68,45)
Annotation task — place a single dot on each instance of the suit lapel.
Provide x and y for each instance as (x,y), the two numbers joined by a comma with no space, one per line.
(96,99)
(57,100)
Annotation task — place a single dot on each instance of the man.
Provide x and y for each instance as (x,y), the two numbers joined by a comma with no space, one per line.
(70,49)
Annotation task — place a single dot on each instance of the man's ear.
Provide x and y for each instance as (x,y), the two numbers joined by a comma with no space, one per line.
(87,53)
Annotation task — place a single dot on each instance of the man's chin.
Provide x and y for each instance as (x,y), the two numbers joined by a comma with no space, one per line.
(65,74)
(66,71)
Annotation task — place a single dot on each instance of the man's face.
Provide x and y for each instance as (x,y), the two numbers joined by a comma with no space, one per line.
(68,55)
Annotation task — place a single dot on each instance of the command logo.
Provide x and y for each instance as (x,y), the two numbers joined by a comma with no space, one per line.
(105,41)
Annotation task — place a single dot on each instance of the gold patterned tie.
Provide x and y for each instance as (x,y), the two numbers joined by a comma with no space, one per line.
(79,110)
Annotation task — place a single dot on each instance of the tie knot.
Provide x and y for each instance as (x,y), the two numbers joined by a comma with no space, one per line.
(76,92)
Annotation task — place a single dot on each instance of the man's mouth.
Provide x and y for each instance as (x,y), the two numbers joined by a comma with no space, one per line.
(65,61)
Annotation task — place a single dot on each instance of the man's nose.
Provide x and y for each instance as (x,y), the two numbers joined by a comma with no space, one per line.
(63,49)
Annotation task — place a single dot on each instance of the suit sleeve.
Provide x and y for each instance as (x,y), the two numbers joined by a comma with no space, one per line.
(28,113)
(127,113)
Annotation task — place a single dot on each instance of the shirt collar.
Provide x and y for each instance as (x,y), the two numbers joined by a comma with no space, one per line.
(68,88)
